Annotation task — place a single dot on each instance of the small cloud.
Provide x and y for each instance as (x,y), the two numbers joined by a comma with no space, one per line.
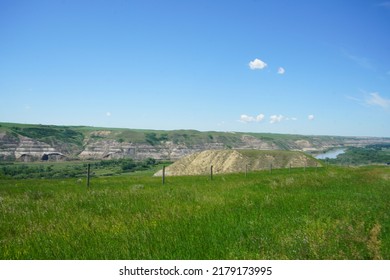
(276,118)
(247,119)
(260,117)
(291,119)
(310,117)
(359,60)
(108,114)
(281,71)
(375,99)
(354,99)
(257,64)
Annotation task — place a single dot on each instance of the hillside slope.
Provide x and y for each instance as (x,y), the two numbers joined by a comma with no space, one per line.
(234,161)
(28,142)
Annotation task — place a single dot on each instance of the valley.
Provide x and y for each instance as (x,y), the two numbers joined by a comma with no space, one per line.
(29,143)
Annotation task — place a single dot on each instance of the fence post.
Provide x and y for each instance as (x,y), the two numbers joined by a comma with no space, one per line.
(289,169)
(246,170)
(163,175)
(270,168)
(88,173)
(211,172)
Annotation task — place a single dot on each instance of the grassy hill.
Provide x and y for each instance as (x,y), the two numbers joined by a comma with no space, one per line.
(76,134)
(329,213)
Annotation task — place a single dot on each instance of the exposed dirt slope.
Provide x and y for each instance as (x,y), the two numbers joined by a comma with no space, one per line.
(231,161)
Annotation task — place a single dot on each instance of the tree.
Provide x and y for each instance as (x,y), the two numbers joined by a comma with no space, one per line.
(128,165)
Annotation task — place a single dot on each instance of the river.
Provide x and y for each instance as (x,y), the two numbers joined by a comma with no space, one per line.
(330,154)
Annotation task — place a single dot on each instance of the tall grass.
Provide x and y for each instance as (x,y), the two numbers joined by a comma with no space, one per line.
(333,213)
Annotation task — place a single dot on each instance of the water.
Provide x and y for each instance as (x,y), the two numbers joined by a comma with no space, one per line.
(330,154)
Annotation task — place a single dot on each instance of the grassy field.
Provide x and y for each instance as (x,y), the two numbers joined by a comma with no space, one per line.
(325,213)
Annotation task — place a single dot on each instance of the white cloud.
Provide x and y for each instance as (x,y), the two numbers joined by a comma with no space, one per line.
(376,100)
(260,117)
(247,119)
(257,64)
(354,99)
(291,119)
(281,70)
(359,60)
(310,117)
(108,114)
(276,118)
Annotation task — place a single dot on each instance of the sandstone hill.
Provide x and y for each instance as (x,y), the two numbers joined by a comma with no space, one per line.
(234,161)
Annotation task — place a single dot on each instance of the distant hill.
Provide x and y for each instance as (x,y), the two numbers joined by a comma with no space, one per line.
(29,142)
(234,161)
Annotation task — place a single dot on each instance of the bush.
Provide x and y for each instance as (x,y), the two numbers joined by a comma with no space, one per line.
(128,165)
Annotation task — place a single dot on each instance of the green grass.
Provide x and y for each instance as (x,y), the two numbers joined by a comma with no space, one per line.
(325,213)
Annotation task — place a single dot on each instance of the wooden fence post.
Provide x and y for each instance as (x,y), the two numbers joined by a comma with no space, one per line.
(211,172)
(163,175)
(270,168)
(88,173)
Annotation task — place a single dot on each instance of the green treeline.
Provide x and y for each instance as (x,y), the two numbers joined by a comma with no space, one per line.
(74,170)
(372,154)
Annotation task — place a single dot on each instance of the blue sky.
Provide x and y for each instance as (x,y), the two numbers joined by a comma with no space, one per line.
(282,66)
